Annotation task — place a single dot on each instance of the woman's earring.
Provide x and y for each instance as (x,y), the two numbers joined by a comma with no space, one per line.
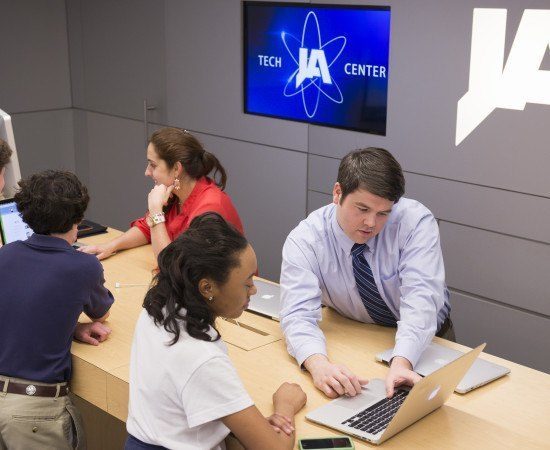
(211,298)
(177,184)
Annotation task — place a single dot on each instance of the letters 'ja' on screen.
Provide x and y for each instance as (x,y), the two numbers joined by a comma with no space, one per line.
(322,64)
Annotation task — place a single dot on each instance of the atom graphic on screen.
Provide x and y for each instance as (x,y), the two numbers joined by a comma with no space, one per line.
(313,69)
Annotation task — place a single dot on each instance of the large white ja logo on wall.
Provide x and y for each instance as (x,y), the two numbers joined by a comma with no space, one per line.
(493,85)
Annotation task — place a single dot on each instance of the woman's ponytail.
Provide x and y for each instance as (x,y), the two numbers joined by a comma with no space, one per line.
(211,163)
(174,144)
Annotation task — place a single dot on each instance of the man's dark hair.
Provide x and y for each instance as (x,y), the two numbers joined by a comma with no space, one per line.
(372,169)
(52,201)
(5,154)
(209,248)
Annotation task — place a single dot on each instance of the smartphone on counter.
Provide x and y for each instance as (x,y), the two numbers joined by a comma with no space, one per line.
(334,443)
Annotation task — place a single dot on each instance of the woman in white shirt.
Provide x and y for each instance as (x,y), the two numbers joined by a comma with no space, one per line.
(184,391)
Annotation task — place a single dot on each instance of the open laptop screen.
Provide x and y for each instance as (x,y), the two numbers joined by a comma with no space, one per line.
(12,226)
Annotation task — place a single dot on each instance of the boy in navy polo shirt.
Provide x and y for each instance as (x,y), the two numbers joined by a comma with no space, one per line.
(45,285)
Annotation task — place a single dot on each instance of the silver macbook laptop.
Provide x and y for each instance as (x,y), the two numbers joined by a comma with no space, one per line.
(12,227)
(373,417)
(436,355)
(267,300)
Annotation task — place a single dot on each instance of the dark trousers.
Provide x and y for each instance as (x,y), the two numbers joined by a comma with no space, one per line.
(133,443)
(447,330)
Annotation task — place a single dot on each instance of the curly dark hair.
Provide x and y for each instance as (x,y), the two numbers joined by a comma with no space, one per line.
(52,201)
(209,248)
(5,153)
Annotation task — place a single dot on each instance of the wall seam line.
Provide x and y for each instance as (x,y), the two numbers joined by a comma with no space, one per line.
(498,303)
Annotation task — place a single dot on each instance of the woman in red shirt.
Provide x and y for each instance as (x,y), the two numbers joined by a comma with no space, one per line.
(179,166)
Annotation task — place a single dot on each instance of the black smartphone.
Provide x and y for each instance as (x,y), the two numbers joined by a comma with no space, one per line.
(334,443)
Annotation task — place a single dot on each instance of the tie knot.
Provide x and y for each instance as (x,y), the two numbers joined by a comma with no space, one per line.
(358,249)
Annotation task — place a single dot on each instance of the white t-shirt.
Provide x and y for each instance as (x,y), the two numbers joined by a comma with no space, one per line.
(178,393)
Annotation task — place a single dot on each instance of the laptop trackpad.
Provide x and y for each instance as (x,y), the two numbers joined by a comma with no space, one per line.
(372,393)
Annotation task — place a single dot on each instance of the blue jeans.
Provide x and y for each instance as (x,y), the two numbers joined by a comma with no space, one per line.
(133,443)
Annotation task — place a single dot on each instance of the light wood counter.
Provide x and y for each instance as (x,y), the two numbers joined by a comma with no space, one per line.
(513,412)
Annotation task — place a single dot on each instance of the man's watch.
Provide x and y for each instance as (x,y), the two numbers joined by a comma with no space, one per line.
(155,219)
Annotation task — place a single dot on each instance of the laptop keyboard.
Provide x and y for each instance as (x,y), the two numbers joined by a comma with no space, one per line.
(376,417)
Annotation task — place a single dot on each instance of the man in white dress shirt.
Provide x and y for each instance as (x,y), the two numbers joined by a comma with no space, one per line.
(373,256)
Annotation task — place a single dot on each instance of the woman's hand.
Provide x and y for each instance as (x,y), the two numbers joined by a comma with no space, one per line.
(158,198)
(102,251)
(289,395)
(281,423)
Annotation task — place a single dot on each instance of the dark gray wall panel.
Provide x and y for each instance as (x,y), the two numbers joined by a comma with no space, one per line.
(81,154)
(507,212)
(316,200)
(118,187)
(268,188)
(463,203)
(204,76)
(503,268)
(34,72)
(429,70)
(336,143)
(76,56)
(322,173)
(515,335)
(45,140)
(121,54)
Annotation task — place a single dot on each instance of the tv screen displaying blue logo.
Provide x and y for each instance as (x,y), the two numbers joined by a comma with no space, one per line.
(322,64)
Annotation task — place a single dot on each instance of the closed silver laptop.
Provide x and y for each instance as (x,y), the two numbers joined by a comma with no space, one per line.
(436,356)
(374,418)
(267,300)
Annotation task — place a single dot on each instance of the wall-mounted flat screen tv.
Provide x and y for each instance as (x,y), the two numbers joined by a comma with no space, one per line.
(317,63)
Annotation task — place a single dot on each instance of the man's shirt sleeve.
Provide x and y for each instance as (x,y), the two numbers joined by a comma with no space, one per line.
(423,289)
(301,301)
(101,298)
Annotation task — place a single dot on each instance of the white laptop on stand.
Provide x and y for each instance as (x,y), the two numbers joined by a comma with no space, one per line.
(436,356)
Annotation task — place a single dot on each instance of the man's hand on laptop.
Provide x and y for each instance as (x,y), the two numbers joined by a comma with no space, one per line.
(400,373)
(333,379)
(91,333)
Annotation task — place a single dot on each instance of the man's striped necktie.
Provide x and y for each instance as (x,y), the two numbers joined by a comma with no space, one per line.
(375,305)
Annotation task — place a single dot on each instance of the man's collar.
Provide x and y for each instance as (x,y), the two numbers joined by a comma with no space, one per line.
(47,241)
(342,238)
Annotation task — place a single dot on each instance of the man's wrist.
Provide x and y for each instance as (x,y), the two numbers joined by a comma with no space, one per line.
(400,361)
(78,330)
(313,361)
